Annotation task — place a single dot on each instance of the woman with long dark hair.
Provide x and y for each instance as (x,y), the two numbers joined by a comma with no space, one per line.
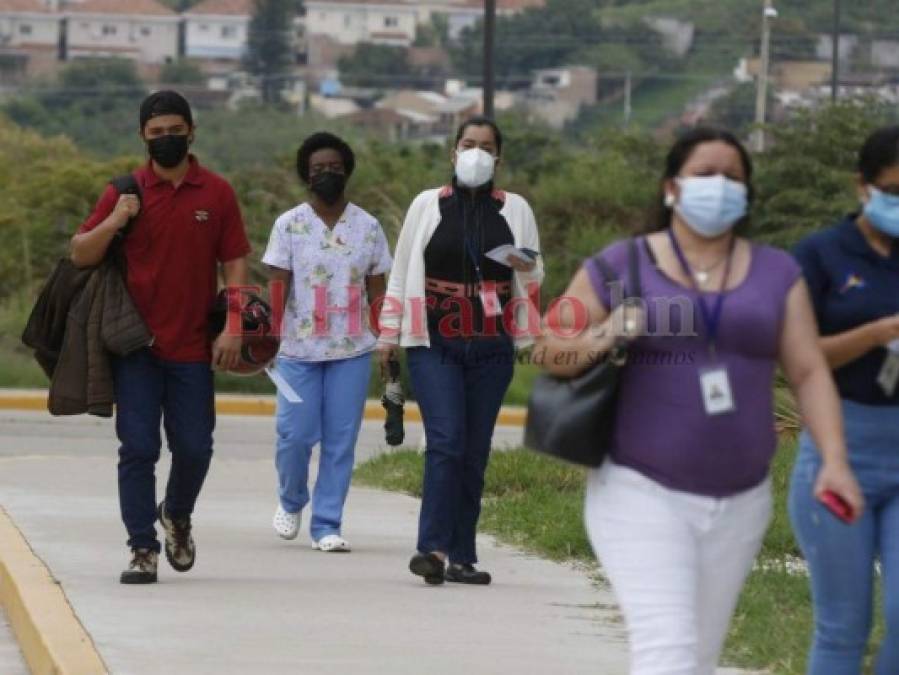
(678,512)
(453,308)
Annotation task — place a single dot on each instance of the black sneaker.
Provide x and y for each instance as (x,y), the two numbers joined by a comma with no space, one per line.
(180,550)
(429,566)
(142,568)
(467,574)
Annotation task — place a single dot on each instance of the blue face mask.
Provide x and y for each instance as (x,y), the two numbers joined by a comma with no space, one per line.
(711,205)
(882,211)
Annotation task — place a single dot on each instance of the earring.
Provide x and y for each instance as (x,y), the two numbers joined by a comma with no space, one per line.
(669,200)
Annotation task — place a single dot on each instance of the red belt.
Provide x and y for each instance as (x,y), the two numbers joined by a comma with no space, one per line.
(465,290)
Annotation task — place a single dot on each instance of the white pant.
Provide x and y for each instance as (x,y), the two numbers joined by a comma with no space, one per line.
(676,561)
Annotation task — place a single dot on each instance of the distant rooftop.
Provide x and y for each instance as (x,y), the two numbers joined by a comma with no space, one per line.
(223,7)
(31,6)
(131,7)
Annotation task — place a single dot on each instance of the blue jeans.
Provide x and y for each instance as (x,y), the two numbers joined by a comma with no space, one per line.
(841,557)
(333,394)
(459,385)
(149,390)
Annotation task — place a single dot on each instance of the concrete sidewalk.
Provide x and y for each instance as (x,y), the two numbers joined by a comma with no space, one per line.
(257,605)
(11,662)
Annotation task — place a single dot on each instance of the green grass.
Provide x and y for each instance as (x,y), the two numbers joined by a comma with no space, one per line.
(529,501)
(536,504)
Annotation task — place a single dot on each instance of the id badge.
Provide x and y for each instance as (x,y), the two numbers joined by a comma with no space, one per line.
(490,301)
(889,372)
(717,395)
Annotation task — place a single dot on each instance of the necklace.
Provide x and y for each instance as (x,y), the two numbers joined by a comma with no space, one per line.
(702,274)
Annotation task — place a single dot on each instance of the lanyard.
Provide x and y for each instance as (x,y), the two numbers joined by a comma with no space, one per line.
(470,246)
(475,259)
(711,317)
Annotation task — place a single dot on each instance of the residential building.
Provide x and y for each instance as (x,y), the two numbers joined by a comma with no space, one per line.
(218,29)
(332,107)
(28,23)
(863,51)
(421,102)
(462,14)
(29,40)
(885,54)
(788,75)
(557,95)
(394,22)
(846,45)
(349,22)
(144,30)
(392,125)
(677,36)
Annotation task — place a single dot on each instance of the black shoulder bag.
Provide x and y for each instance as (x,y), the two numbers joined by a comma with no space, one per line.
(573,419)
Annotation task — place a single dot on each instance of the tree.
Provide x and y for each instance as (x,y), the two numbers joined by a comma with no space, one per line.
(370,63)
(182,71)
(270,49)
(98,80)
(736,109)
(538,37)
(434,34)
(807,179)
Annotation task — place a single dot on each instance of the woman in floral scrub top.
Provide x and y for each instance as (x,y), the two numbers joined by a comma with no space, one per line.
(332,258)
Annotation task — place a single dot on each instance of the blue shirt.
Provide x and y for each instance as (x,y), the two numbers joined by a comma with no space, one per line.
(851,285)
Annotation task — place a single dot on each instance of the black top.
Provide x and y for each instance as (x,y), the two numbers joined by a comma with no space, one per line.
(473,216)
(851,285)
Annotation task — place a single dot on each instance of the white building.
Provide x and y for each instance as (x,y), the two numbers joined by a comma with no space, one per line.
(394,22)
(144,30)
(218,29)
(349,22)
(462,14)
(28,23)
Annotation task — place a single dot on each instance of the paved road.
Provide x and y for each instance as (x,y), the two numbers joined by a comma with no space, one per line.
(11,662)
(256,605)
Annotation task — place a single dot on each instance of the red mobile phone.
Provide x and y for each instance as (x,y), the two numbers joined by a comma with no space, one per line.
(837,506)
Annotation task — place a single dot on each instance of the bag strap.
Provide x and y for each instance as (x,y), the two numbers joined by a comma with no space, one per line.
(634,281)
(127,185)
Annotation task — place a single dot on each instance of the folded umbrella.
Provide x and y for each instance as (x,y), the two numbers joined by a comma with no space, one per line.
(393,400)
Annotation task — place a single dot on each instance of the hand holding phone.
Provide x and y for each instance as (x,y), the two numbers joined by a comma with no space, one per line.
(838,506)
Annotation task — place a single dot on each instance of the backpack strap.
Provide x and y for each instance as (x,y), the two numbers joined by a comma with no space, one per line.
(127,185)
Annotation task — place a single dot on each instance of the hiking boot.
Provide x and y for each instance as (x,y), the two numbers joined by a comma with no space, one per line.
(142,568)
(429,566)
(180,550)
(467,574)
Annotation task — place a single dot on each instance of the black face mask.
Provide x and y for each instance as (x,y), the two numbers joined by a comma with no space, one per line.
(168,151)
(328,186)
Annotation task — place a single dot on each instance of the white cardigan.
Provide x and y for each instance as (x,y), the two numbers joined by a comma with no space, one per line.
(406,288)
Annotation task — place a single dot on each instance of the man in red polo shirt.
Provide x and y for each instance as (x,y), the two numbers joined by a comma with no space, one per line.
(185,224)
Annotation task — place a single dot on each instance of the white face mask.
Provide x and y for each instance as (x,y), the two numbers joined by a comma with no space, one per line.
(711,205)
(474,167)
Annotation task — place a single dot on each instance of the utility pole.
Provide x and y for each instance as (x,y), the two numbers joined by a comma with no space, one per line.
(761,97)
(489,37)
(835,67)
(628,87)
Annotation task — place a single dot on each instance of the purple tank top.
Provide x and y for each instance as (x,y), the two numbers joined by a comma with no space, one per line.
(662,429)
